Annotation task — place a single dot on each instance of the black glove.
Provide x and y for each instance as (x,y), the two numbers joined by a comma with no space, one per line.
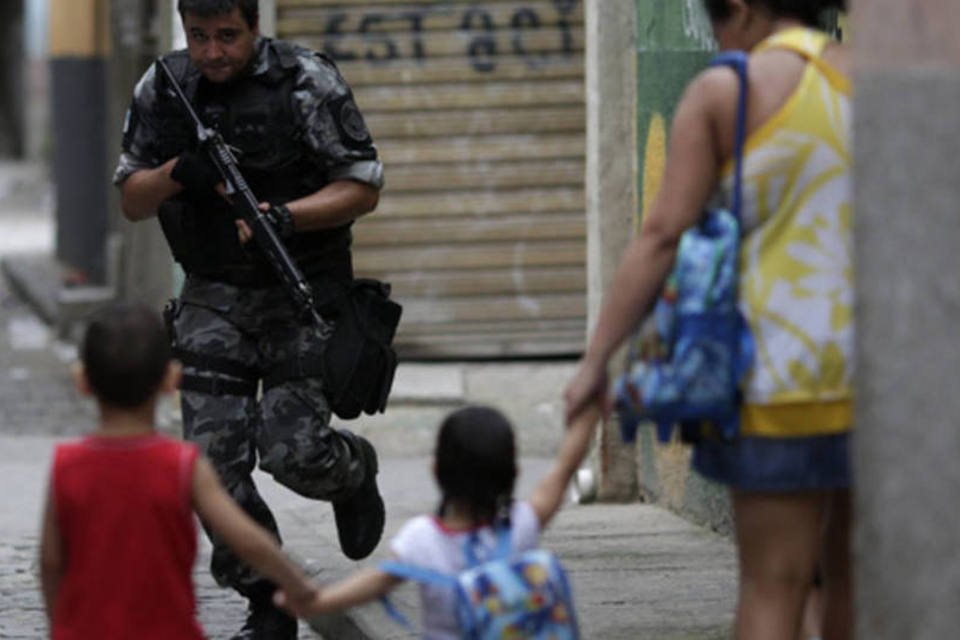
(196,172)
(281,219)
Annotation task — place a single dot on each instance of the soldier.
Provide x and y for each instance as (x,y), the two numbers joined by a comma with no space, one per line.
(307,155)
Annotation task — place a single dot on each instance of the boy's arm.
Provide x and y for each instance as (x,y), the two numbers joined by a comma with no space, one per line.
(248,539)
(361,587)
(548,495)
(51,556)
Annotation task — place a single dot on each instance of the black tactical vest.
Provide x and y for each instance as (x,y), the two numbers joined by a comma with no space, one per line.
(255,116)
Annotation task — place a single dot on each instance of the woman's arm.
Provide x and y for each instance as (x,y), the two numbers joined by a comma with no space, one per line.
(690,176)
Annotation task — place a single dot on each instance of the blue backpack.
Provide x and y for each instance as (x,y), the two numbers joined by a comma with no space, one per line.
(504,597)
(685,366)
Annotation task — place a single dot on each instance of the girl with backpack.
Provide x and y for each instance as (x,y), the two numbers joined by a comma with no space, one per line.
(787,469)
(475,468)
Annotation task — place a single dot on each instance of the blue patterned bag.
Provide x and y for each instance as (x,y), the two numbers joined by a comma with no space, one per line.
(686,365)
(504,597)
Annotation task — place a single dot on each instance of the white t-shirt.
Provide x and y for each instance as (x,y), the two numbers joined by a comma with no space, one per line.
(425,542)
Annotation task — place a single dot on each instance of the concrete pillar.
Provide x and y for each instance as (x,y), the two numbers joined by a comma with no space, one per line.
(78,46)
(146,269)
(36,103)
(268,17)
(907,247)
(12,85)
(611,189)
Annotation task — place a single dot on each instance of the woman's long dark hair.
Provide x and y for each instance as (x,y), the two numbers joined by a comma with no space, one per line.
(476,462)
(807,11)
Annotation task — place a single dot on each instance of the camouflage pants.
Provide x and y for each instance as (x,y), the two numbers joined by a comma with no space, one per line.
(288,428)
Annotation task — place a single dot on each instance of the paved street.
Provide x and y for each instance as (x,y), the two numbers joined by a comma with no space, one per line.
(638,571)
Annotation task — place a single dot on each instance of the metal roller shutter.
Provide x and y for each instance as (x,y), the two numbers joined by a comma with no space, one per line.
(478,111)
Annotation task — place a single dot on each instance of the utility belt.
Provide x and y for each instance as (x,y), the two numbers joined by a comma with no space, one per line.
(357,364)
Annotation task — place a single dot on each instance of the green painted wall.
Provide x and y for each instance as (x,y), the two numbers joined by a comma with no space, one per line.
(674,42)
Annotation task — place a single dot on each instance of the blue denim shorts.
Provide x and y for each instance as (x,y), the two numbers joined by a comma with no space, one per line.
(776,464)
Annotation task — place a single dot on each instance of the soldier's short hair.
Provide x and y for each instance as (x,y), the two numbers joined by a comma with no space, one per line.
(249,9)
(125,353)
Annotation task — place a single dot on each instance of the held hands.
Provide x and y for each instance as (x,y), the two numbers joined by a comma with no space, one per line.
(302,605)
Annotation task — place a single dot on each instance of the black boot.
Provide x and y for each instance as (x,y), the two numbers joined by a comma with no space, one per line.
(266,622)
(360,516)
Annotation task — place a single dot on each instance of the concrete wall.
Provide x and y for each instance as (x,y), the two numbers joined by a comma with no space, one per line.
(36,102)
(907,130)
(611,195)
(640,54)
(78,47)
(146,269)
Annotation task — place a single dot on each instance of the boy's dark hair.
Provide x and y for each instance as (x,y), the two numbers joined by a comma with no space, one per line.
(250,9)
(125,353)
(476,461)
(807,11)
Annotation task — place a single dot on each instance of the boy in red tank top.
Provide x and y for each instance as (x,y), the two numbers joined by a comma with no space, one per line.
(119,539)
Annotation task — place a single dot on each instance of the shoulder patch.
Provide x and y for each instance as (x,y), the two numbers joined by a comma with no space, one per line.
(350,123)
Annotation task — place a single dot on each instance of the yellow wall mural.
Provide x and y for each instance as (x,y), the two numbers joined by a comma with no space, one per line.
(654,160)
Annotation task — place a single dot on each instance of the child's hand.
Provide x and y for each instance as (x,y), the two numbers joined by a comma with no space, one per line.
(303,604)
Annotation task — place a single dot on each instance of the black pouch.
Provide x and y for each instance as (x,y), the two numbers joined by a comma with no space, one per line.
(359,361)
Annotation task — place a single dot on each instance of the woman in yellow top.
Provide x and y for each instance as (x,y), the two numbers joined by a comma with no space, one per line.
(788,469)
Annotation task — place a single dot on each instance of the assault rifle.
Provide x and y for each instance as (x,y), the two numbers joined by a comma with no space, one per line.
(247,205)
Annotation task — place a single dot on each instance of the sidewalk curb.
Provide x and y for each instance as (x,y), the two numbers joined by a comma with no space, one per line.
(34,278)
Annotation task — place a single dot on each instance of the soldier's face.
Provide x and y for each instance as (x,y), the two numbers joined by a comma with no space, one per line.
(220,46)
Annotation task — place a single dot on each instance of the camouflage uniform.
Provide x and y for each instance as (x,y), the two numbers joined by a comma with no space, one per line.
(254,328)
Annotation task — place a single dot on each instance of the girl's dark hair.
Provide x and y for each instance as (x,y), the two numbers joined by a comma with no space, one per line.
(476,462)
(249,9)
(807,11)
(125,352)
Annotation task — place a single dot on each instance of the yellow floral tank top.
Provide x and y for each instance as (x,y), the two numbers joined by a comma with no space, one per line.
(796,287)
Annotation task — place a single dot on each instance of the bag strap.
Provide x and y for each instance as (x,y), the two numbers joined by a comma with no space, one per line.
(417,574)
(738,61)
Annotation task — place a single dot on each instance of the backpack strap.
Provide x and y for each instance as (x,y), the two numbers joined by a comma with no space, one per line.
(738,61)
(502,550)
(417,574)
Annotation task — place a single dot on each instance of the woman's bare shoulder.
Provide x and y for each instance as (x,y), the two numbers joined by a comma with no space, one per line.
(837,55)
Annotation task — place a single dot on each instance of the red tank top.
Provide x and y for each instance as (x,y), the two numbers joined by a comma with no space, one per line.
(125,515)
